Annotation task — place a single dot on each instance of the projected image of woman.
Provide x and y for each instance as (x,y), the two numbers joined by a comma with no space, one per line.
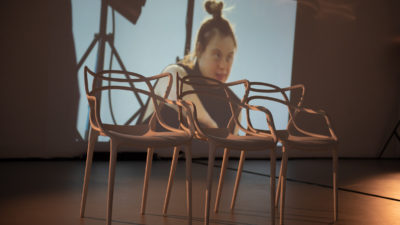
(213,56)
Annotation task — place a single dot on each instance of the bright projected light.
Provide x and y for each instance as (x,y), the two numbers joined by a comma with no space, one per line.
(264,32)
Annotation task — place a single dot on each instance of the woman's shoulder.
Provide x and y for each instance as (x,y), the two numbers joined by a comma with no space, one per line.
(174,69)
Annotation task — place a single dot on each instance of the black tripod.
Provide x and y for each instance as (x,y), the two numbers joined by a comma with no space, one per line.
(102,38)
(394,133)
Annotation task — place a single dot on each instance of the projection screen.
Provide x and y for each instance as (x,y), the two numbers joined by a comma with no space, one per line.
(264,32)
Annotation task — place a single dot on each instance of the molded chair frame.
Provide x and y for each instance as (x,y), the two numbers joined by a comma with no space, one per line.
(143,135)
(208,134)
(288,141)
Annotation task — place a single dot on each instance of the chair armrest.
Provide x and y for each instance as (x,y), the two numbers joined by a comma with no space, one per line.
(95,119)
(295,87)
(187,114)
(321,113)
(258,97)
(255,132)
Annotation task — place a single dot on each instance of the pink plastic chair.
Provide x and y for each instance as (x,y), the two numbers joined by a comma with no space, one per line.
(139,136)
(293,137)
(225,137)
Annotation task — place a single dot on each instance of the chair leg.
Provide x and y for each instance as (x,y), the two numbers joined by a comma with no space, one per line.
(147,173)
(89,156)
(188,154)
(238,176)
(111,179)
(278,188)
(170,179)
(335,188)
(283,184)
(211,158)
(272,180)
(221,178)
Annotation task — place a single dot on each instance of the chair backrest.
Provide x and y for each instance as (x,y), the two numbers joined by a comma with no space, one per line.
(266,91)
(214,89)
(132,83)
(260,90)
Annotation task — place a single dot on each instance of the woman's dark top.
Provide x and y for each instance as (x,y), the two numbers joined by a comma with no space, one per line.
(217,108)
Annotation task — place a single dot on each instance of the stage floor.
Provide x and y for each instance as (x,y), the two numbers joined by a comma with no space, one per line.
(48,192)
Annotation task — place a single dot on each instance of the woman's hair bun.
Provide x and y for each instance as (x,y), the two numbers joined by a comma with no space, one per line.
(214,8)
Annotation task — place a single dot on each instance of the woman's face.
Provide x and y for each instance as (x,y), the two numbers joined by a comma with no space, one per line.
(217,58)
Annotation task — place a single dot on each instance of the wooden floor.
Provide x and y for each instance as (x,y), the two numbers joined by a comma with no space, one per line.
(48,192)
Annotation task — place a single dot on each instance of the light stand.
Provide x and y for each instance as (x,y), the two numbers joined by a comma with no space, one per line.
(394,133)
(130,9)
(102,38)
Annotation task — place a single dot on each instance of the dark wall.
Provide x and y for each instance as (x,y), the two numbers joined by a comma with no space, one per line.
(39,87)
(347,56)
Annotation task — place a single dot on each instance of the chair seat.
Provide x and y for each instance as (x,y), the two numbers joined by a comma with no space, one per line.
(222,137)
(141,136)
(140,129)
(304,142)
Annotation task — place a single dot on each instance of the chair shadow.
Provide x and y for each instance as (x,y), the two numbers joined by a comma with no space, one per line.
(288,216)
(250,213)
(201,219)
(104,219)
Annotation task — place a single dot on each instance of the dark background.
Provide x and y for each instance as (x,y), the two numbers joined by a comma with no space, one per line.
(348,60)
